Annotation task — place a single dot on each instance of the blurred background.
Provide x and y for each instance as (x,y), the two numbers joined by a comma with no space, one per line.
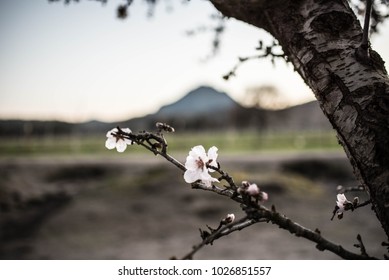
(69,73)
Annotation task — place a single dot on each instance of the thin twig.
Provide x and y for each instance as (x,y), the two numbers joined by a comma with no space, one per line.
(358,188)
(366,25)
(367,202)
(267,51)
(361,245)
(224,176)
(224,230)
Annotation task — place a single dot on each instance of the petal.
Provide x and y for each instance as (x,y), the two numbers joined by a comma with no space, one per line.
(109,133)
(208,183)
(215,180)
(191,163)
(341,198)
(128,141)
(206,177)
(110,143)
(212,153)
(253,190)
(191,176)
(121,146)
(340,205)
(197,151)
(126,130)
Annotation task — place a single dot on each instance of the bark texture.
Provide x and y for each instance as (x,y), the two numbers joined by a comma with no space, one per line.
(322,39)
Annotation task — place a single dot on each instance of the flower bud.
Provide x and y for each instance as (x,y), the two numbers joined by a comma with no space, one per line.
(228,219)
(164,126)
(355,201)
(253,190)
(264,196)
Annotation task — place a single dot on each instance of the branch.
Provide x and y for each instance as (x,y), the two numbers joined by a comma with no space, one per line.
(222,231)
(217,31)
(255,211)
(366,25)
(314,236)
(358,188)
(268,51)
(260,212)
(343,204)
(143,137)
(362,52)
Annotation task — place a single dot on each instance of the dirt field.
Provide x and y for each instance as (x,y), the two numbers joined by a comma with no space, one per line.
(139,207)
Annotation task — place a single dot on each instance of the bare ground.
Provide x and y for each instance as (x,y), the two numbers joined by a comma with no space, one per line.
(139,207)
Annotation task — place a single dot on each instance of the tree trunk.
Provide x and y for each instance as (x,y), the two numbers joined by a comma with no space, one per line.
(322,39)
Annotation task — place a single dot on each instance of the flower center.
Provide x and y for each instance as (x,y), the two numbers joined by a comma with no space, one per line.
(200,163)
(117,136)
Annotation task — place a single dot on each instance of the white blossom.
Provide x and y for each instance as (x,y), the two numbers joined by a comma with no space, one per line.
(341,201)
(196,165)
(115,140)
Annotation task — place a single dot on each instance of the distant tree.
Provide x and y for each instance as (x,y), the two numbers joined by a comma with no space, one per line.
(265,97)
(327,46)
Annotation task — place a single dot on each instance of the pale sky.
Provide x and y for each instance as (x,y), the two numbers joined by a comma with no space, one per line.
(79,62)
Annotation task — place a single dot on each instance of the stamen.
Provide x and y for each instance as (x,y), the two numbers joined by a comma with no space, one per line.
(200,163)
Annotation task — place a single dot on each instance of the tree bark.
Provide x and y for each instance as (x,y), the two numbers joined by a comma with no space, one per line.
(322,40)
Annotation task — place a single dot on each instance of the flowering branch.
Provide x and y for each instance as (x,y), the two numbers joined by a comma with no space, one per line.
(342,205)
(260,213)
(196,168)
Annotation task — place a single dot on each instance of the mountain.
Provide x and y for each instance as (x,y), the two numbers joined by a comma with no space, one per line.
(203,108)
(203,100)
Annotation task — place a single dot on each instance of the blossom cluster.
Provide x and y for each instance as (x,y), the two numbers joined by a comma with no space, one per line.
(198,165)
(252,190)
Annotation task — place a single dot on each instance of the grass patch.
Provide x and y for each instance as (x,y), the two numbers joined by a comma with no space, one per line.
(248,141)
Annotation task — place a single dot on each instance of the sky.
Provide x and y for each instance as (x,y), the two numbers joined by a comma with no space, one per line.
(78,62)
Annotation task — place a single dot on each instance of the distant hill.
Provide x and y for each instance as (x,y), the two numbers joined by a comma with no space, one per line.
(203,100)
(307,116)
(203,108)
